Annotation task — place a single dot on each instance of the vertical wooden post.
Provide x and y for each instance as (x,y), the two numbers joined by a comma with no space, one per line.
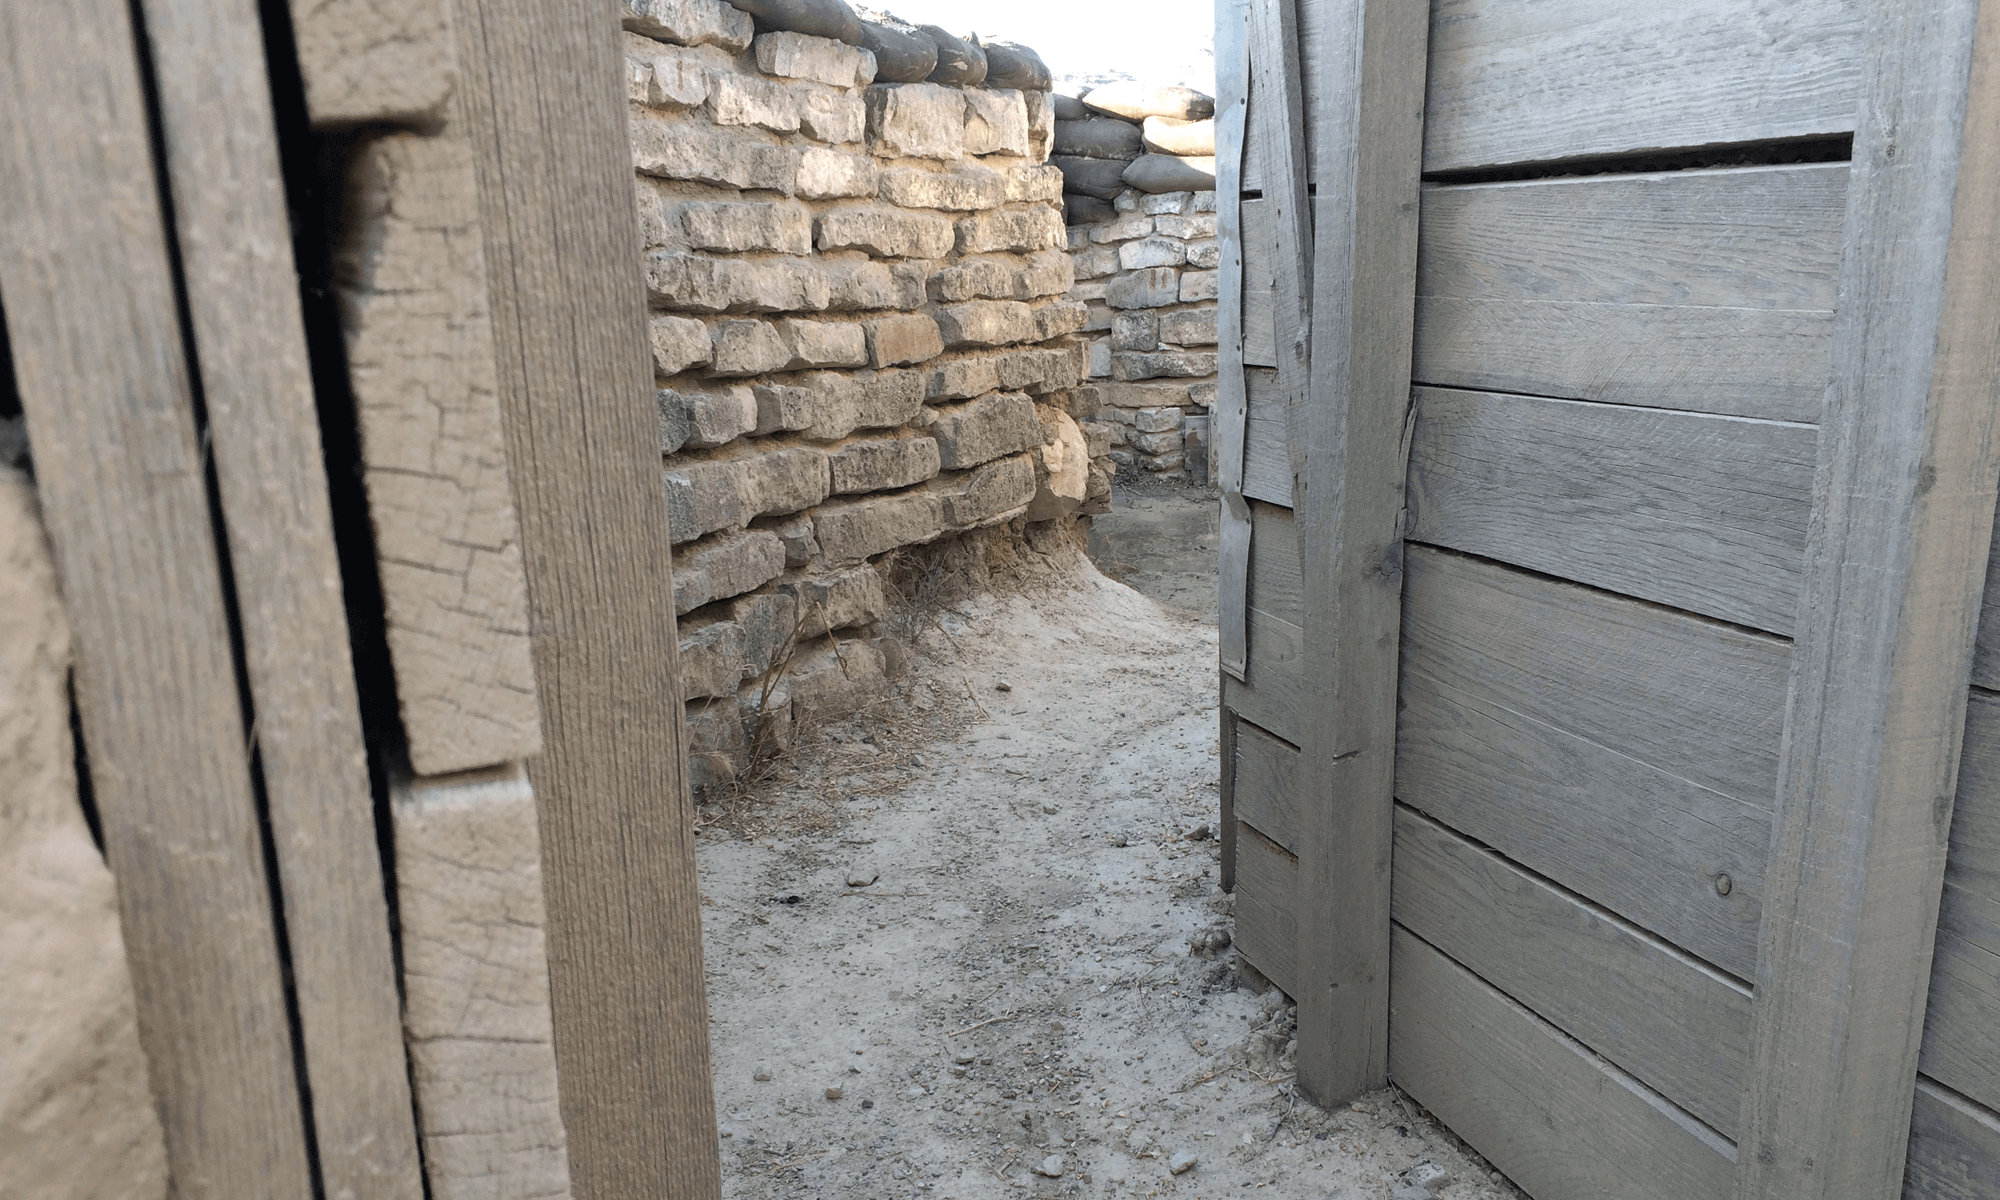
(541,100)
(1348,490)
(1232,585)
(1895,561)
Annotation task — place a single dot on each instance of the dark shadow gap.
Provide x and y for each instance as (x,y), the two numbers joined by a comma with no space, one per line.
(1775,153)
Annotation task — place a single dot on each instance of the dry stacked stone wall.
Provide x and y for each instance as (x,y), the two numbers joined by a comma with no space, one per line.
(1139,194)
(862,333)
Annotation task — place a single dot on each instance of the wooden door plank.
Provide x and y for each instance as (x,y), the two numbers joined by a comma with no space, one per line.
(1902,518)
(1562,1122)
(1703,513)
(1707,291)
(1532,83)
(1260,286)
(1954,1147)
(98,358)
(1266,785)
(234,234)
(1275,691)
(624,943)
(1267,900)
(1267,433)
(1677,1025)
(1349,453)
(1959,1048)
(1232,47)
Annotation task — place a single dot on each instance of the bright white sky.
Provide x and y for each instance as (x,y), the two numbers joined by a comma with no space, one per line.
(1159,41)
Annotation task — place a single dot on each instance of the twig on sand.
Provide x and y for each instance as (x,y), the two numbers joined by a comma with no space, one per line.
(982,1024)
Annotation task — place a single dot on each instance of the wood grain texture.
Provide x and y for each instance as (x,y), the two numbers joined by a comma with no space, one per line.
(1703,513)
(98,361)
(1232,80)
(1267,433)
(1563,1123)
(1258,315)
(1707,291)
(1266,769)
(1959,1048)
(1529,83)
(1902,520)
(367,61)
(1266,908)
(1275,693)
(625,960)
(1350,445)
(411,276)
(1954,1146)
(476,974)
(1678,1026)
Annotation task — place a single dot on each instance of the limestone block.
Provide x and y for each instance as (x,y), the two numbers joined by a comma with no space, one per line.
(712,285)
(1048,273)
(747,348)
(1199,285)
(475,978)
(716,416)
(986,323)
(1085,400)
(1138,329)
(704,495)
(1062,469)
(885,232)
(1097,437)
(978,430)
(722,565)
(1163,203)
(670,147)
(734,227)
(1037,371)
(830,175)
(769,621)
(1203,202)
(1100,312)
(880,463)
(843,403)
(831,116)
(1059,317)
(824,344)
(1163,364)
(748,100)
(1156,420)
(1033,183)
(1097,496)
(1185,139)
(990,492)
(1166,173)
(1154,287)
(1124,229)
(852,530)
(1204,256)
(829,682)
(367,62)
(674,428)
(1128,398)
(996,122)
(1152,252)
(1123,459)
(1201,395)
(717,745)
(1041,129)
(962,378)
(910,338)
(711,661)
(1158,443)
(1012,65)
(1100,358)
(690,22)
(1099,137)
(1127,200)
(678,343)
(902,55)
(1196,444)
(917,120)
(664,76)
(76,1110)
(784,479)
(1018,230)
(1187,327)
(1135,101)
(965,189)
(974,278)
(959,63)
(781,407)
(801,543)
(821,59)
(861,284)
(1099,178)
(1190,227)
(1096,263)
(817,18)
(841,600)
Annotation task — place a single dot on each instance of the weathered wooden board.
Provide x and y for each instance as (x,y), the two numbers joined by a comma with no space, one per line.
(1562,1122)
(1274,685)
(1266,789)
(99,367)
(1960,1047)
(1709,291)
(1267,451)
(1232,577)
(1260,286)
(1679,1026)
(1954,1147)
(368,62)
(1703,513)
(1267,900)
(1986,646)
(1568,79)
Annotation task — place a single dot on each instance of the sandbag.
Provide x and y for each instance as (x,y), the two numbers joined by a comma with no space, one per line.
(1086,210)
(1103,178)
(959,62)
(1165,135)
(819,18)
(901,55)
(1101,137)
(1169,173)
(1136,101)
(1067,108)
(1012,65)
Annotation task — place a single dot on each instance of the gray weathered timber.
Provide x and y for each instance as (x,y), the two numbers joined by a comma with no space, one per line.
(1266,770)
(1266,908)
(1522,83)
(98,362)
(1275,693)
(1960,1049)
(1902,518)
(221,157)
(1954,1147)
(1349,450)
(625,960)
(1226,788)
(1260,286)
(1275,585)
(1675,1024)
(1986,645)
(1562,1122)
(1267,455)
(1709,291)
(1232,79)
(1699,512)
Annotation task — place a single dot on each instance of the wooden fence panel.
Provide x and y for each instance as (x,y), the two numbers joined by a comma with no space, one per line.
(1960,1049)
(1954,1147)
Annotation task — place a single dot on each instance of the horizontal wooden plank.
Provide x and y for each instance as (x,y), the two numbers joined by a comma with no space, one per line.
(1260,285)
(1562,1122)
(1266,785)
(1954,1147)
(1699,512)
(1675,1024)
(1266,906)
(1706,291)
(1960,1049)
(1520,83)
(1276,586)
(1267,454)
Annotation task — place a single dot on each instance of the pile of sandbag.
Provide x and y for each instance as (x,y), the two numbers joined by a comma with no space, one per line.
(1131,135)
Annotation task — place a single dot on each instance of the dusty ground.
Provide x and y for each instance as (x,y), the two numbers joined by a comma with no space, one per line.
(1035,993)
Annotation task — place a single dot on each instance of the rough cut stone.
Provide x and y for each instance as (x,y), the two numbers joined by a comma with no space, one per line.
(986,323)
(852,530)
(1033,229)
(916,120)
(1047,273)
(1168,364)
(748,100)
(878,464)
(824,344)
(992,491)
(1138,329)
(901,55)
(1096,262)
(1185,139)
(735,227)
(711,661)
(831,116)
(717,416)
(1205,256)
(911,338)
(864,400)
(768,619)
(1164,203)
(704,495)
(972,433)
(1099,137)
(1034,183)
(1102,178)
(960,64)
(664,76)
(1154,287)
(841,600)
(830,175)
(677,148)
(821,59)
(962,378)
(1041,125)
(1100,358)
(1201,395)
(1188,327)
(722,565)
(972,279)
(819,18)
(1012,65)
(996,122)
(1166,173)
(1100,312)
(1086,400)
(783,479)
(1202,202)
(1197,286)
(1058,317)
(830,682)
(678,343)
(1151,252)
(713,285)
(1158,443)
(1062,472)
(967,189)
(690,22)
(673,416)
(1135,101)
(1122,230)
(861,284)
(782,408)
(1191,226)
(885,233)
(747,348)
(1156,420)
(717,744)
